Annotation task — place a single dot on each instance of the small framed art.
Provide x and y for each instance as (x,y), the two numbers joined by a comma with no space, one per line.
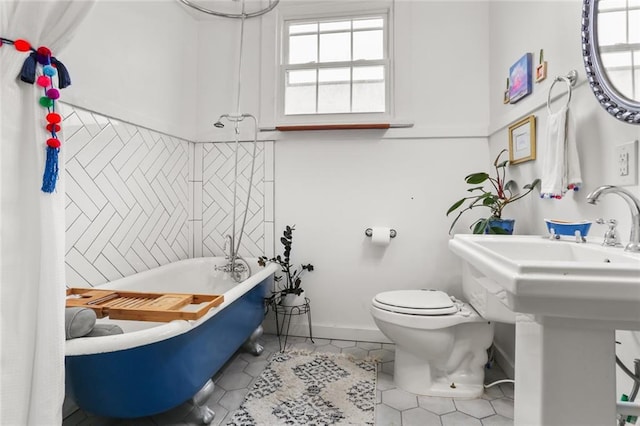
(541,72)
(505,98)
(520,78)
(541,69)
(522,140)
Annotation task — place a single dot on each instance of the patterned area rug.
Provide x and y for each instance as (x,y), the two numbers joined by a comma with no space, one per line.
(310,389)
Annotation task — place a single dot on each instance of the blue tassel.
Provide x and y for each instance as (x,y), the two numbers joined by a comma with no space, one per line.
(28,72)
(64,80)
(50,170)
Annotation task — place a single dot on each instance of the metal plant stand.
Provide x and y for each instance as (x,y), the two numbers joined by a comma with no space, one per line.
(283,319)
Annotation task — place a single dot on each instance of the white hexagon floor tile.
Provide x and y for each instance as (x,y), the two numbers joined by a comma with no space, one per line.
(497,420)
(394,407)
(399,399)
(504,407)
(420,417)
(436,405)
(459,419)
(477,408)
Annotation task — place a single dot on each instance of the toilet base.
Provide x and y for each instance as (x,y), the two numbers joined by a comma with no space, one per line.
(415,375)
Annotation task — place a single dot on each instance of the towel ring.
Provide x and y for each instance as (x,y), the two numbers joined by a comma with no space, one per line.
(570,80)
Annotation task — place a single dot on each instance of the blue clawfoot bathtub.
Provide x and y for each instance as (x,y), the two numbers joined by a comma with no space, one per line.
(154,367)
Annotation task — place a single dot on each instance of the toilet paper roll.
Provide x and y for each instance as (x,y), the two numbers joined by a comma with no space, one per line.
(381,236)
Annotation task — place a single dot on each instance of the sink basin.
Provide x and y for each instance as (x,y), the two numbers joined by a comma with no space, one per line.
(576,295)
(527,250)
(561,278)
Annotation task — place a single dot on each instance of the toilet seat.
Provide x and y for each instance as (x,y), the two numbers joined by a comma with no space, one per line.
(416,302)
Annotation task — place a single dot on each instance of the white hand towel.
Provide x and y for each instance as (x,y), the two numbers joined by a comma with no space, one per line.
(561,165)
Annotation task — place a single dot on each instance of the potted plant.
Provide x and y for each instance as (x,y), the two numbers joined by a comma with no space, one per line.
(496,197)
(290,293)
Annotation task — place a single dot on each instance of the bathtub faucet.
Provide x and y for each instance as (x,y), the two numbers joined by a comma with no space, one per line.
(236,265)
(230,256)
(634,208)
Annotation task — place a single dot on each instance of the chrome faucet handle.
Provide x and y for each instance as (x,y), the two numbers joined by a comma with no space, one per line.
(228,239)
(611,237)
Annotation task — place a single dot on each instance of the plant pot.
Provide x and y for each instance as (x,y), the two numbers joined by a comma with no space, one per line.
(500,226)
(292,299)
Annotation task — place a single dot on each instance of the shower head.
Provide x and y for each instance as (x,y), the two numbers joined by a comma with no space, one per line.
(219,124)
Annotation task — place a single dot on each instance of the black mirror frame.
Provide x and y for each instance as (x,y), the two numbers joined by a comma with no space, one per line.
(614,103)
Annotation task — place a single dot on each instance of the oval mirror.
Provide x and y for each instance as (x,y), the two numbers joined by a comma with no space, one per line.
(611,53)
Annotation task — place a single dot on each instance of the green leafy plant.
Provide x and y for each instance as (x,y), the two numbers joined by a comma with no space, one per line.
(499,194)
(291,274)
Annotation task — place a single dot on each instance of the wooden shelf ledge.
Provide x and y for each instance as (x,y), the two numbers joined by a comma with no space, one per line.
(359,126)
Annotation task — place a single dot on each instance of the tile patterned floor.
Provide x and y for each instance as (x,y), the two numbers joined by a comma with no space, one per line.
(394,407)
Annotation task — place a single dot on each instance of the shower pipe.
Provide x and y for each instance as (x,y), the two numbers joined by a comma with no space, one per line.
(242,15)
(235,246)
(236,272)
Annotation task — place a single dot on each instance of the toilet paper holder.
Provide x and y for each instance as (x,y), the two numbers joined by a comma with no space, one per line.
(369,232)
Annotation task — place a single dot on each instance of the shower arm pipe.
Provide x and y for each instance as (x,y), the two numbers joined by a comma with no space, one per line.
(237,144)
(235,247)
(253,163)
(236,119)
(239,71)
(231,15)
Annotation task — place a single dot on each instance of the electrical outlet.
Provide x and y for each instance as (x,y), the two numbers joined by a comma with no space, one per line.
(627,163)
(623,163)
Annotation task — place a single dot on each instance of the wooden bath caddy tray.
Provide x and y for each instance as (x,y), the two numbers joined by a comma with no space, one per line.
(132,305)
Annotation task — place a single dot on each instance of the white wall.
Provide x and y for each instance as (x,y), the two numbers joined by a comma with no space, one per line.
(334,185)
(136,61)
(555,27)
(333,189)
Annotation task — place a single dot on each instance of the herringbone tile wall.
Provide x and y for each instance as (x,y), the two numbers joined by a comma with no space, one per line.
(127,198)
(138,199)
(217,197)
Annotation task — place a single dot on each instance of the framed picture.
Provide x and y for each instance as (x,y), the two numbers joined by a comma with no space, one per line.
(505,98)
(541,72)
(522,140)
(520,78)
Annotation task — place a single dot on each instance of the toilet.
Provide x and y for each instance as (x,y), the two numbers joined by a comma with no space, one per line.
(441,342)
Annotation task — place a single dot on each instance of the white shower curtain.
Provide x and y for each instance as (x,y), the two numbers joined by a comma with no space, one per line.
(32,223)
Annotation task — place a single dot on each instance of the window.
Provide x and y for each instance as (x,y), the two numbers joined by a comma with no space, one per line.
(619,40)
(337,65)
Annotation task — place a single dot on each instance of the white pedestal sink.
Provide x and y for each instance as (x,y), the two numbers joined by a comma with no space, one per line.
(576,296)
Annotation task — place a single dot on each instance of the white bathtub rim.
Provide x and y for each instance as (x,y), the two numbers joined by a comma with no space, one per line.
(129,340)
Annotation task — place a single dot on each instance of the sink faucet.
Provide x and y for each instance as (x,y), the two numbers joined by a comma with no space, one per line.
(634,206)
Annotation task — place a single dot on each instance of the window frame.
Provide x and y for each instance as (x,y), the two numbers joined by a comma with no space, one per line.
(337,12)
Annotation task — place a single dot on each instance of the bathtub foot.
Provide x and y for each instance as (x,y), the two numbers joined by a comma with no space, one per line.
(199,401)
(251,345)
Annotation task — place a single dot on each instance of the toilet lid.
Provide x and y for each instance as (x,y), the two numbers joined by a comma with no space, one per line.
(416,302)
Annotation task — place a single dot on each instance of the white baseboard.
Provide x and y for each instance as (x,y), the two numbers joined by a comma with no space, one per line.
(329,332)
